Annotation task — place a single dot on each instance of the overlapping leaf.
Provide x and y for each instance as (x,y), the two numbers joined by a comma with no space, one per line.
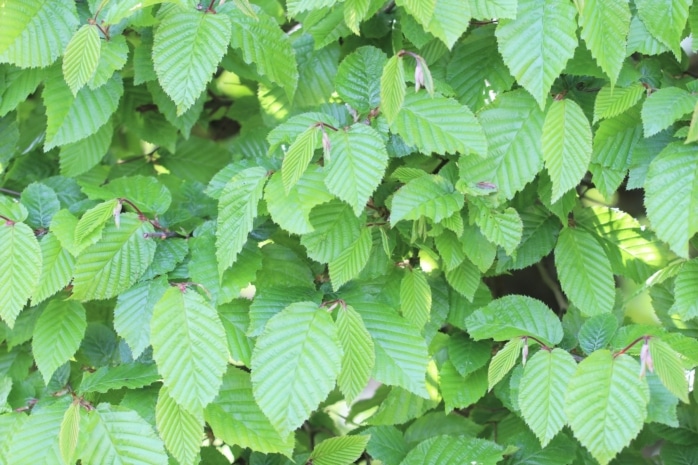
(339,451)
(358,357)
(665,20)
(130,375)
(665,106)
(20,268)
(431,196)
(81,57)
(56,268)
(57,335)
(415,297)
(180,430)
(348,264)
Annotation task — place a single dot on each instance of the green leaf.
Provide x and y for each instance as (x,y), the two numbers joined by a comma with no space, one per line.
(349,263)
(454,449)
(57,335)
(386,444)
(671,195)
(613,101)
(19,84)
(339,451)
(662,406)
(56,270)
(20,268)
(237,209)
(605,26)
(537,44)
(431,196)
(358,77)
(236,418)
(686,291)
(120,252)
(89,228)
(461,391)
(503,361)
(146,192)
(513,125)
(116,435)
(356,166)
(415,297)
(130,375)
(401,406)
(335,229)
(664,107)
(513,316)
(270,300)
(307,338)
(537,240)
(499,227)
(445,25)
(392,88)
(665,20)
(358,355)
(182,431)
(36,32)
(566,145)
(236,319)
(669,368)
(187,47)
(488,9)
(467,355)
(464,279)
(69,432)
(450,248)
(596,333)
(439,124)
(81,156)
(189,347)
(585,272)
(616,140)
(356,11)
(37,440)
(607,421)
(298,157)
(113,56)
(81,57)
(542,392)
(42,203)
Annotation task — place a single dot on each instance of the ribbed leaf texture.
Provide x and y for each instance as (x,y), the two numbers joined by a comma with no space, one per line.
(464,279)
(446,26)
(81,57)
(57,335)
(616,139)
(612,101)
(348,264)
(236,418)
(605,25)
(36,441)
(339,451)
(356,166)
(430,196)
(358,77)
(596,333)
(415,297)
(461,391)
(667,364)
(393,89)
(122,251)
(91,225)
(69,432)
(542,392)
(439,124)
(503,361)
(131,375)
(297,345)
(181,430)
(298,156)
(537,44)
(503,228)
(488,9)
(454,449)
(335,229)
(81,156)
(515,315)
(665,20)
(664,107)
(187,47)
(538,238)
(356,11)
(20,268)
(585,271)
(671,196)
(56,270)
(686,291)
(566,145)
(358,353)
(619,407)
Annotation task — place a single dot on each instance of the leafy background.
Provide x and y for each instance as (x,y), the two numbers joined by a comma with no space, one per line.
(359,231)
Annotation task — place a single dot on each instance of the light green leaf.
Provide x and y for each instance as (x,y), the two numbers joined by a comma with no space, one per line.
(439,124)
(616,140)
(393,88)
(537,240)
(112,57)
(512,316)
(585,272)
(356,11)
(667,364)
(298,6)
(513,125)
(339,451)
(123,251)
(237,209)
(358,357)
(358,76)
(464,279)
(35,32)
(686,291)
(596,333)
(307,338)
(415,297)
(37,441)
(41,202)
(129,375)
(489,9)
(115,435)
(79,157)
(348,264)
(57,335)
(467,355)
(605,25)
(454,449)
(566,145)
(671,196)
(182,431)
(19,84)
(542,392)
(335,229)
(612,101)
(56,270)
(187,47)
(69,432)
(117,11)
(270,300)
(664,107)
(445,25)
(356,166)
(189,347)
(236,418)
(235,316)
(461,391)
(90,227)
(693,128)
(387,444)
(20,268)
(662,406)
(537,44)
(499,227)
(81,57)
(503,361)
(450,248)
(146,192)
(298,156)
(665,20)
(607,421)
(401,406)
(431,196)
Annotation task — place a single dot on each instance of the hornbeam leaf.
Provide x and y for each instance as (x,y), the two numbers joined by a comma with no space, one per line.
(667,364)
(616,139)
(358,358)
(335,229)
(298,6)
(612,101)
(112,57)
(421,10)
(671,196)
(566,145)
(415,297)
(686,291)
(504,361)
(297,345)
(182,431)
(542,392)
(189,347)
(56,270)
(37,441)
(665,20)
(81,57)
(357,164)
(187,47)
(454,449)
(358,76)
(537,44)
(461,391)
(665,106)
(585,271)
(605,25)
(439,124)
(488,9)
(90,227)
(393,87)
(130,375)
(464,279)
(57,335)
(503,228)
(431,196)
(446,26)
(619,407)
(352,260)
(69,432)
(298,156)
(339,451)
(356,11)
(20,268)
(116,261)
(512,316)
(237,209)
(81,156)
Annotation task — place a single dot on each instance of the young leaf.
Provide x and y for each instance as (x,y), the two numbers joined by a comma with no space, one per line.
(336,229)
(454,449)
(503,228)
(56,270)
(298,157)
(664,107)
(415,297)
(339,451)
(81,57)
(181,430)
(613,101)
(42,429)
(431,196)
(348,264)
(619,407)
(665,20)
(69,432)
(358,76)
(503,361)
(596,333)
(686,291)
(20,268)
(90,226)
(358,357)
(445,25)
(130,375)
(393,88)
(669,368)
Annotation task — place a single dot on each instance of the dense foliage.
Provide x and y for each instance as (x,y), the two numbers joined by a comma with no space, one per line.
(220,222)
